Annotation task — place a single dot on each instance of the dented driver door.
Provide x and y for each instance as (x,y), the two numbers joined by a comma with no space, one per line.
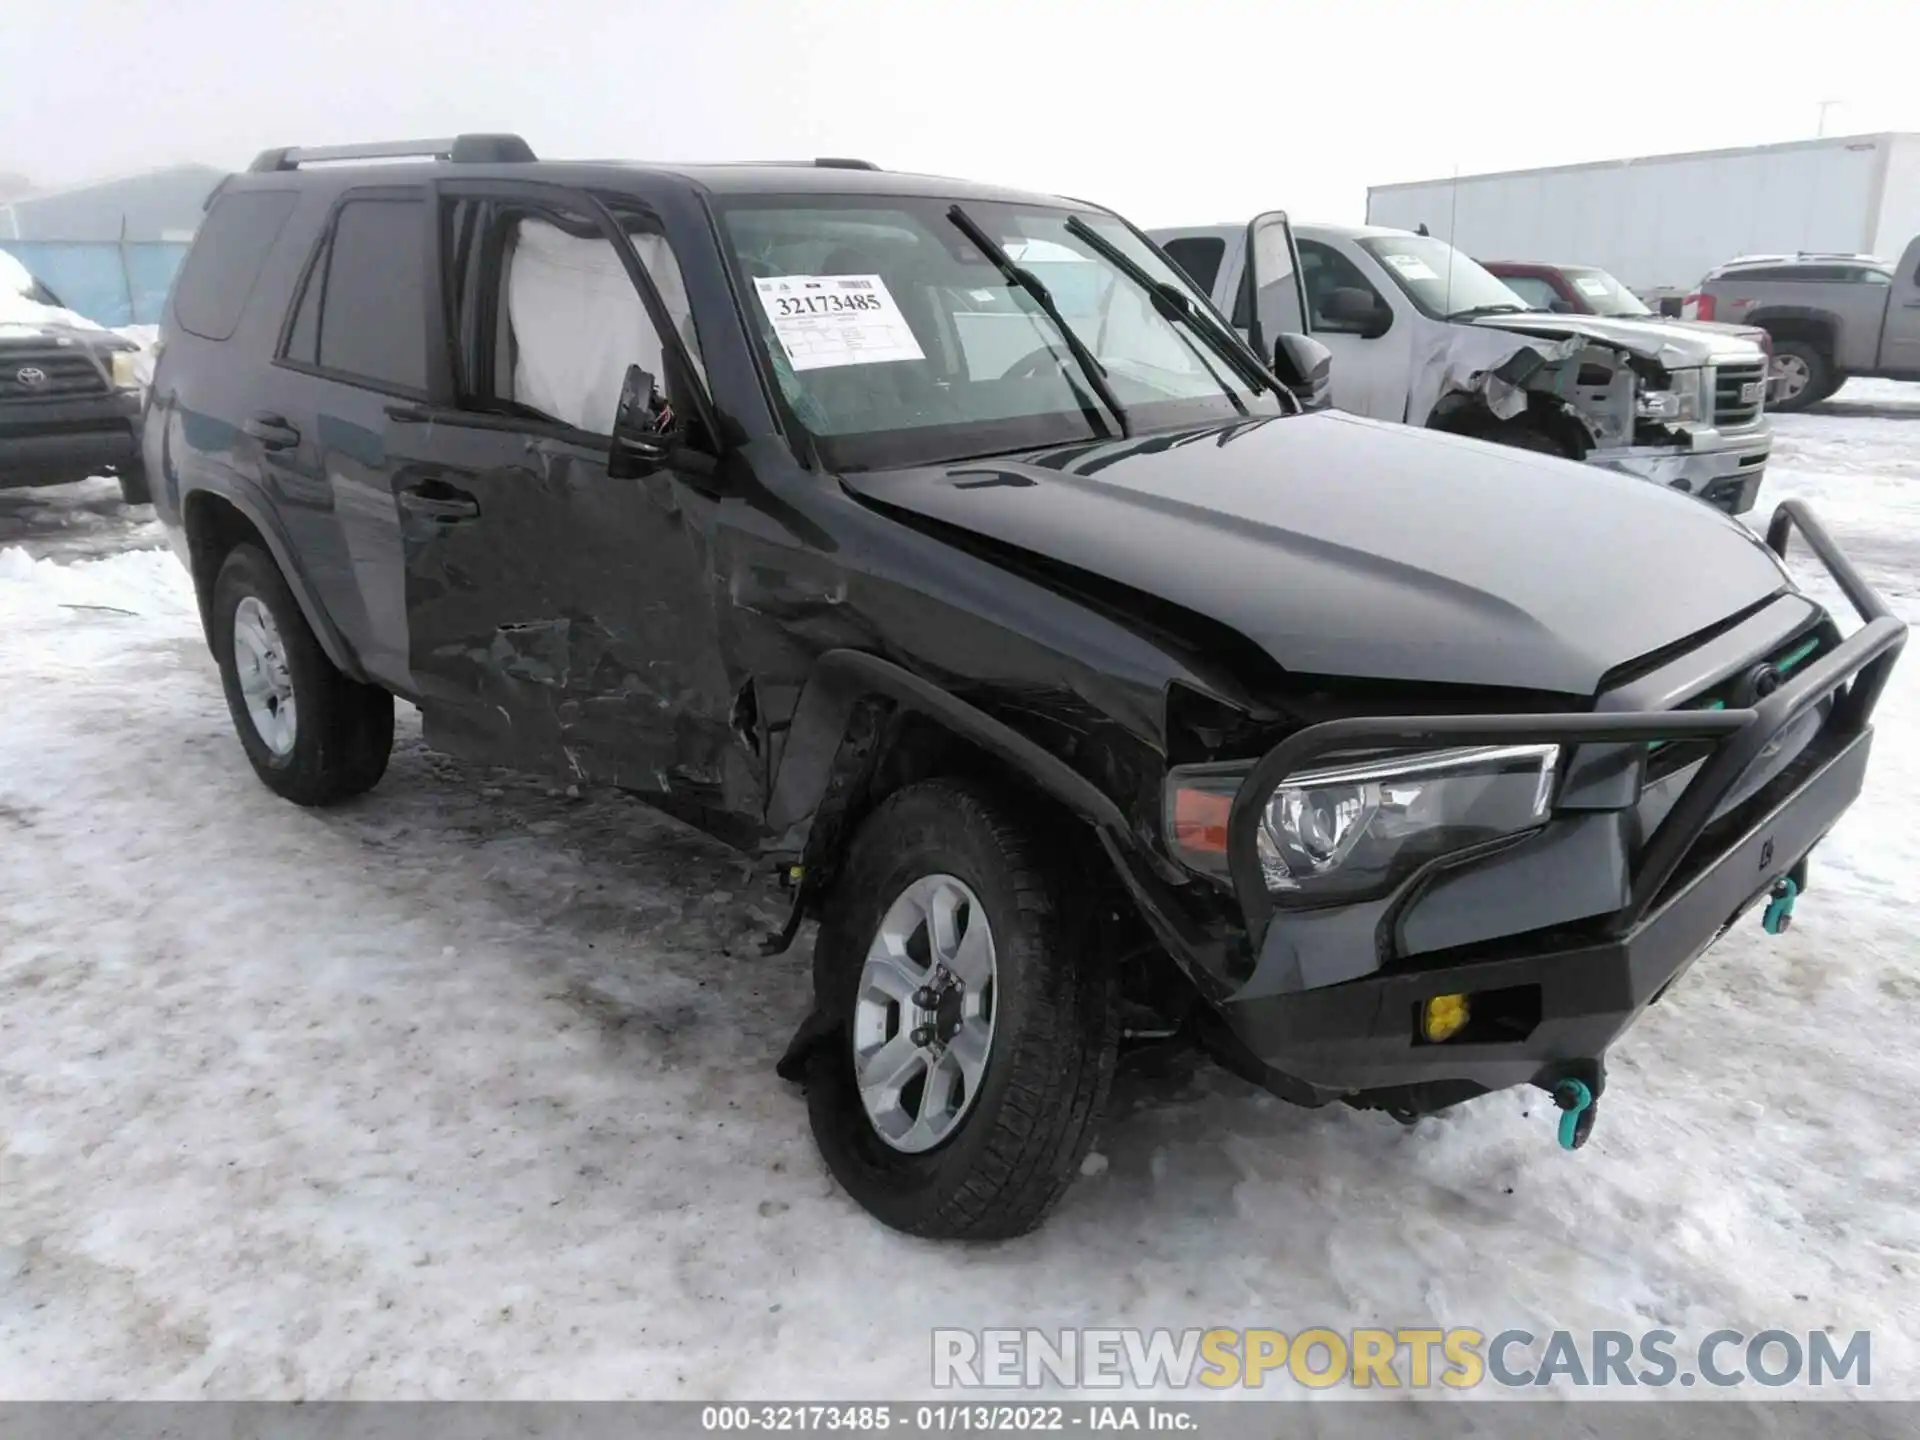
(560,619)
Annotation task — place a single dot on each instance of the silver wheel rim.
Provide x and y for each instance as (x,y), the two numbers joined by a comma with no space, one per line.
(1790,375)
(923,1019)
(260,660)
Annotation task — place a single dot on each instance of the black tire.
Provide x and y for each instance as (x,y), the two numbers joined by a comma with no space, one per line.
(133,484)
(1528,437)
(1821,381)
(343,732)
(1020,1142)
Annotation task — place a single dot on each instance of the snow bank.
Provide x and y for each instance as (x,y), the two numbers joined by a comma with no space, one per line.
(143,583)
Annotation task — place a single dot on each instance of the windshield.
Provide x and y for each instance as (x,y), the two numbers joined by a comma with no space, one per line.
(14,279)
(1604,294)
(22,298)
(895,341)
(1439,279)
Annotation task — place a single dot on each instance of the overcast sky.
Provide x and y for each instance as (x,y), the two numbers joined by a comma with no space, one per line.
(1191,112)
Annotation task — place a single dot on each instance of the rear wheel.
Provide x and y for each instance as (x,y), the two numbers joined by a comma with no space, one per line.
(1801,375)
(313,734)
(976,1040)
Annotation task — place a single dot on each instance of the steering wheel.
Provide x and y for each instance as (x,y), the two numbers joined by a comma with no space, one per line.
(1031,364)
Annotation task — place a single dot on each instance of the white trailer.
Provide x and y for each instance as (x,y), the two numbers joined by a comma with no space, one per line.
(1660,222)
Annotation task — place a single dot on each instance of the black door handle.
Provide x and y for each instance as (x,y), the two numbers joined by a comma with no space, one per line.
(437,500)
(272,431)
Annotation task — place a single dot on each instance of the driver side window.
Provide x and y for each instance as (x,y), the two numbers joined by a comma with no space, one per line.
(1337,291)
(547,316)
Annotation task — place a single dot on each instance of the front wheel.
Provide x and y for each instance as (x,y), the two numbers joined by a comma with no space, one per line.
(1529,437)
(133,484)
(975,1038)
(1802,376)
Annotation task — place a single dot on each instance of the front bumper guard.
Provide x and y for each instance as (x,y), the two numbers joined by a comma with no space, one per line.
(1357,1036)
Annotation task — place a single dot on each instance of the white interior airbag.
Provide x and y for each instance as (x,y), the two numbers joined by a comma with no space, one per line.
(578,323)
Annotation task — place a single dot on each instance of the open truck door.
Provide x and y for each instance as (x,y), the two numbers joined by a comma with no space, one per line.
(1273,307)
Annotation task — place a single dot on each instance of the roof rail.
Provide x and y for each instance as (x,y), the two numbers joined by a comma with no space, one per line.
(842,162)
(458,149)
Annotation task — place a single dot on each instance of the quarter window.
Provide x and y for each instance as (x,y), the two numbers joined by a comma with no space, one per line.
(225,260)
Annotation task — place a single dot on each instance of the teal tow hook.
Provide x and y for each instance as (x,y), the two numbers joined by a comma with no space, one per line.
(1779,911)
(1578,1112)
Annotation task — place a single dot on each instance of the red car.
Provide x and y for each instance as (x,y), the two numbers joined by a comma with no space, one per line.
(1585,290)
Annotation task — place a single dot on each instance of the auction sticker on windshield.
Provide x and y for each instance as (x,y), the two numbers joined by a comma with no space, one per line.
(1411,266)
(826,320)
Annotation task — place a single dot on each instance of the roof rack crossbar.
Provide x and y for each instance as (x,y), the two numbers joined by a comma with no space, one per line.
(458,149)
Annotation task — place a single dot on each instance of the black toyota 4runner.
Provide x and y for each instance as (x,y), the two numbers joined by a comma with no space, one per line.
(940,545)
(70,392)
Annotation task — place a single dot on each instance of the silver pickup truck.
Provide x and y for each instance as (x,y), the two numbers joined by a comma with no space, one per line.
(1831,317)
(1421,333)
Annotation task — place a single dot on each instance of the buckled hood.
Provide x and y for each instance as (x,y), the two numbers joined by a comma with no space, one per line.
(1350,547)
(1677,347)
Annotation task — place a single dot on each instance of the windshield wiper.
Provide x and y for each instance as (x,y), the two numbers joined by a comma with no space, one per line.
(1026,280)
(1172,302)
(1499,307)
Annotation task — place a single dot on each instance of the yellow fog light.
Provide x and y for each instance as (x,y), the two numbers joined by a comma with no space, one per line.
(1443,1017)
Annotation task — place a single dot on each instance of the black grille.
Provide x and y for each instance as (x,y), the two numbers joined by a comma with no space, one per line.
(1729,406)
(48,375)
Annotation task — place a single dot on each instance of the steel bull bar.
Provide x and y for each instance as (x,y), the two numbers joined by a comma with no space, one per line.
(1352,1037)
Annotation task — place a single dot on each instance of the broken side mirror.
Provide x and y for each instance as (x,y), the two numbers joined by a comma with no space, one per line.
(647,436)
(1305,367)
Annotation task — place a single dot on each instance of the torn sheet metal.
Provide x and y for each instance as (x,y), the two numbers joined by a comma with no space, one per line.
(1494,364)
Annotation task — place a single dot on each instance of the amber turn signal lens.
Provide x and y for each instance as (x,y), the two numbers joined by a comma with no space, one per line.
(1443,1017)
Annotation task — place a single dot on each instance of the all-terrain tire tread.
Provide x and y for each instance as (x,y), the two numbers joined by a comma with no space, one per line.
(1063,1058)
(345,732)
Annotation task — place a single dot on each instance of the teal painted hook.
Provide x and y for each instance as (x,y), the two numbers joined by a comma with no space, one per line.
(1779,911)
(1575,1100)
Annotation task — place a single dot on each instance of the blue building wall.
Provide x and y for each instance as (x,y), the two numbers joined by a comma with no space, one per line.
(109,283)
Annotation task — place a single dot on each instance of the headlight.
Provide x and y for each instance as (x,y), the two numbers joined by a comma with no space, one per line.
(125,365)
(1680,403)
(1353,831)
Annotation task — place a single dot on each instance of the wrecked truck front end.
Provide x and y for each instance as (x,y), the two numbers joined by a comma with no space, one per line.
(1684,412)
(1578,862)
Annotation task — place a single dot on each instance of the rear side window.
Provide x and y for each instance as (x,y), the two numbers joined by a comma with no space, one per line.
(221,268)
(1810,274)
(362,311)
(1200,257)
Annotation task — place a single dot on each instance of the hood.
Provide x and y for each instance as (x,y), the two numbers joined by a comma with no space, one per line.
(1753,333)
(1357,548)
(1675,346)
(24,318)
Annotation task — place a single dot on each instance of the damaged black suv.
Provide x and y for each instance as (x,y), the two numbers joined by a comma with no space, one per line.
(942,546)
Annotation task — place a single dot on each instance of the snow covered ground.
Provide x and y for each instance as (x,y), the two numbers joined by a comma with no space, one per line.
(466,1089)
